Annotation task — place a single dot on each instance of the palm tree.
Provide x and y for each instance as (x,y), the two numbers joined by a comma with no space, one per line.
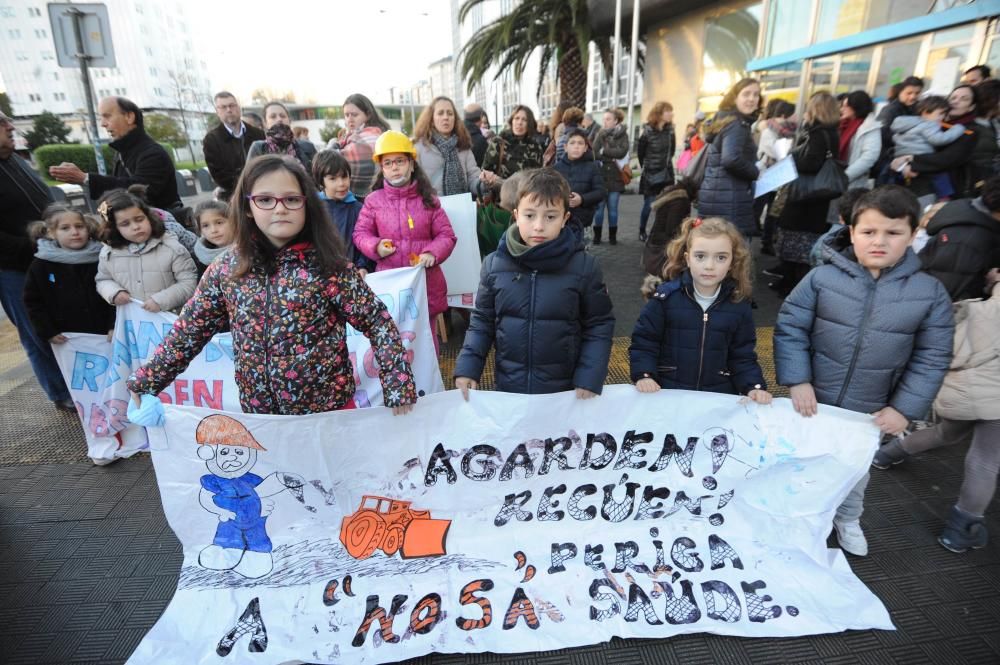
(561,29)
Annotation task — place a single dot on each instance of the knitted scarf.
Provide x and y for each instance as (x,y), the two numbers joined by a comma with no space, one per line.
(49,250)
(453,177)
(279,139)
(206,254)
(847,128)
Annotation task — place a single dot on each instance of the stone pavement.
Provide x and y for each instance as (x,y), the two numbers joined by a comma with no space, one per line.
(88,563)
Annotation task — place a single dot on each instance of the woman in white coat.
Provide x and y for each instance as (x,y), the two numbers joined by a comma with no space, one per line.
(444,150)
(861,147)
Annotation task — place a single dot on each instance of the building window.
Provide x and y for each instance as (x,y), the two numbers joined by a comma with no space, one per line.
(35,98)
(138,8)
(152,71)
(21,56)
(157,92)
(730,41)
(6,12)
(14,34)
(854,69)
(60,96)
(34,11)
(782,82)
(48,55)
(41,34)
(840,18)
(149,52)
(788,26)
(55,76)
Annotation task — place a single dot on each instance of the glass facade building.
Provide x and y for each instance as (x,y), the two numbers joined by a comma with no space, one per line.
(843,45)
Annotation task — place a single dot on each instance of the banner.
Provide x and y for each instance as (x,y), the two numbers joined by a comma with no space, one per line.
(95,369)
(507,523)
(461,269)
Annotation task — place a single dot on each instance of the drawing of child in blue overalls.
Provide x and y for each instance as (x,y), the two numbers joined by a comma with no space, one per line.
(241,543)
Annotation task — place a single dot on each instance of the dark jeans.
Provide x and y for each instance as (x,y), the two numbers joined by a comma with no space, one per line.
(43,362)
(611,203)
(647,202)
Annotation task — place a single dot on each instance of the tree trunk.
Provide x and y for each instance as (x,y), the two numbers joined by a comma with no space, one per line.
(572,77)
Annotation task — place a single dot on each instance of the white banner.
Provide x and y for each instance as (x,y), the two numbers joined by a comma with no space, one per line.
(507,523)
(95,370)
(461,270)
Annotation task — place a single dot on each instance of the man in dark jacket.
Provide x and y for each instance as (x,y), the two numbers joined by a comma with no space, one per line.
(965,242)
(474,116)
(140,159)
(226,146)
(23,197)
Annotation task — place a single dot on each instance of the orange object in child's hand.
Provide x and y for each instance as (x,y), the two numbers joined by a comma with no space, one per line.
(388,244)
(414,259)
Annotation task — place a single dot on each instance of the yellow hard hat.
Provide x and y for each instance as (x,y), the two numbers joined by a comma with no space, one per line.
(393,141)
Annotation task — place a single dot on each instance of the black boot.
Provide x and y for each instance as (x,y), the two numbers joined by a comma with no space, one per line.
(613,235)
(597,235)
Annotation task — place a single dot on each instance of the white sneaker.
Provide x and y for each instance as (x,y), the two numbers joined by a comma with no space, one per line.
(851,537)
(103,461)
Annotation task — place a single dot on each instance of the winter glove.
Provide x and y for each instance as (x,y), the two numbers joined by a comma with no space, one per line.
(149,413)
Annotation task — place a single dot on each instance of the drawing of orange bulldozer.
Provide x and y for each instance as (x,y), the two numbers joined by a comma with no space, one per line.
(392,526)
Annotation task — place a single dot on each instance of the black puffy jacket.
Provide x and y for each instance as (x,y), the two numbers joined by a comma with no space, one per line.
(584,178)
(681,346)
(964,245)
(656,153)
(610,146)
(727,190)
(549,313)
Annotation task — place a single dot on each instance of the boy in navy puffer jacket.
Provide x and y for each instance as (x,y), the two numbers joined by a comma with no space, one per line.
(586,182)
(869,331)
(542,300)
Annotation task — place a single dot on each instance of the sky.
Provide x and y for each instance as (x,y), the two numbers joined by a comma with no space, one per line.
(324,51)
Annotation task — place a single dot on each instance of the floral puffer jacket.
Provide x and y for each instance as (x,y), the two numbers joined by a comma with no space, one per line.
(289,336)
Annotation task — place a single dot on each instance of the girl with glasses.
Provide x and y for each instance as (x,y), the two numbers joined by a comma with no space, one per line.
(286,291)
(402,222)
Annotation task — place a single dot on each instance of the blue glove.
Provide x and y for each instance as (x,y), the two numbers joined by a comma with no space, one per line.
(149,413)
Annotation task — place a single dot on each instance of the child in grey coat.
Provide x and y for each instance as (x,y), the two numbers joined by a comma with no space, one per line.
(868,331)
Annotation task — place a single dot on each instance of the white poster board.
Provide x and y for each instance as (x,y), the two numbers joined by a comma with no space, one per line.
(461,270)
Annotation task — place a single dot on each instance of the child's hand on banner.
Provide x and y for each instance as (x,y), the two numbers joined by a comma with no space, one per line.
(146,411)
(583,393)
(465,384)
(891,421)
(803,399)
(647,385)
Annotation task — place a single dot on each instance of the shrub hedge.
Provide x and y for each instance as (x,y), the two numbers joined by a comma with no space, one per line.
(81,155)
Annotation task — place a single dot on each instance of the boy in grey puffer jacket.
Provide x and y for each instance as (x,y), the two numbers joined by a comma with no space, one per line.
(868,331)
(922,134)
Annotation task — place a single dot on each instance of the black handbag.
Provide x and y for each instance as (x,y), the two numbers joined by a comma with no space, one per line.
(825,185)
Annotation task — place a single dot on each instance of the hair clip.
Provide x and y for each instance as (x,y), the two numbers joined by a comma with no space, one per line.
(103,210)
(696,223)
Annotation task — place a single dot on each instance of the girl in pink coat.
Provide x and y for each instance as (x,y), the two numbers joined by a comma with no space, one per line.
(402,223)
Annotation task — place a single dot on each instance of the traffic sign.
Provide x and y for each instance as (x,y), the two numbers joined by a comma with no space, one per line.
(95,34)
